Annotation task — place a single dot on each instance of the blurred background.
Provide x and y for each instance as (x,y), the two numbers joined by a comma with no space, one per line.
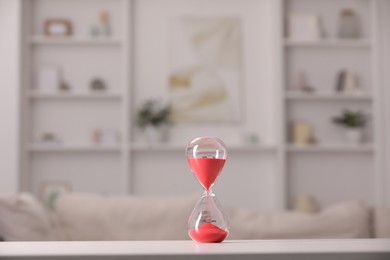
(103,96)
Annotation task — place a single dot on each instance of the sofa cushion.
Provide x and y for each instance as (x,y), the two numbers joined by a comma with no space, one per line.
(381,221)
(346,220)
(23,218)
(98,217)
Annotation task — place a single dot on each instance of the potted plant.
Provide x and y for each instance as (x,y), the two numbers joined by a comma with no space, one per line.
(154,117)
(354,122)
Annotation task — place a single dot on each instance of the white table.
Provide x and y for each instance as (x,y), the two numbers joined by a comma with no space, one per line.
(320,249)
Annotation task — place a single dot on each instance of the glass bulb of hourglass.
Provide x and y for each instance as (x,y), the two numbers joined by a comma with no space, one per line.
(206,157)
(208,223)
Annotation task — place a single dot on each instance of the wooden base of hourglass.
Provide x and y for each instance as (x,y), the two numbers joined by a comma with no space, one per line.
(206,171)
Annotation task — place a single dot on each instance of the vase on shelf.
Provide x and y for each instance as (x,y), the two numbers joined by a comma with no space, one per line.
(349,25)
(354,135)
(157,134)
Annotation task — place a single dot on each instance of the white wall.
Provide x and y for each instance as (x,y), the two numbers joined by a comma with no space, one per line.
(9,95)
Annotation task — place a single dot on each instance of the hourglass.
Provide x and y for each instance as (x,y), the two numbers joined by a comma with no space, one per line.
(206,157)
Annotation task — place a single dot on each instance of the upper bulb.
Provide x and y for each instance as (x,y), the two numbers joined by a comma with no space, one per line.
(206,157)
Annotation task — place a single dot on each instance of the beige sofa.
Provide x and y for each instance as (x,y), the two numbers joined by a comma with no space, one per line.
(93,217)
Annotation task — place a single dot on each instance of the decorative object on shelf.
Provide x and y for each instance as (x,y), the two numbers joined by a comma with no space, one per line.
(301,83)
(50,190)
(304,27)
(57,27)
(104,24)
(94,31)
(250,137)
(102,28)
(48,79)
(154,118)
(349,24)
(354,122)
(50,138)
(105,136)
(347,82)
(98,85)
(64,86)
(205,79)
(305,203)
(302,133)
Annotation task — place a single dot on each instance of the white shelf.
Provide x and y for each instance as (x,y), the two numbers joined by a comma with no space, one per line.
(71,40)
(290,95)
(331,148)
(181,147)
(253,148)
(70,95)
(334,43)
(41,147)
(145,147)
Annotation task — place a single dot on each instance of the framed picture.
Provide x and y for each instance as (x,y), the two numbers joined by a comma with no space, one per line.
(205,83)
(57,27)
(304,27)
(50,190)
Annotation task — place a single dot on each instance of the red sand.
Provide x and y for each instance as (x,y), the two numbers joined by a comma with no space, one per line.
(206,169)
(208,233)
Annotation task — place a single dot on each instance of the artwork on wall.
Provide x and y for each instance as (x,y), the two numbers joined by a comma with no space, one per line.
(205,77)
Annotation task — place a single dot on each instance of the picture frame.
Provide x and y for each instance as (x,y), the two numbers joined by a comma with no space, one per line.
(205,83)
(57,27)
(304,27)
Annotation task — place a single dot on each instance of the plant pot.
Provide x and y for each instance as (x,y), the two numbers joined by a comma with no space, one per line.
(354,135)
(156,134)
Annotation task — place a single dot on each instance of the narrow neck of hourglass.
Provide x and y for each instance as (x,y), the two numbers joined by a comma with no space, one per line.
(208,192)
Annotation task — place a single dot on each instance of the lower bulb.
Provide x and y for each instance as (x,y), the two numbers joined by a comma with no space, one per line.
(208,223)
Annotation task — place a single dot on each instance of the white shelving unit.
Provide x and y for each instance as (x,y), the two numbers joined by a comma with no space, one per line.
(75,114)
(331,156)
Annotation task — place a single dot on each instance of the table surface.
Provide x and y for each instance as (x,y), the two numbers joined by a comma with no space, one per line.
(231,247)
